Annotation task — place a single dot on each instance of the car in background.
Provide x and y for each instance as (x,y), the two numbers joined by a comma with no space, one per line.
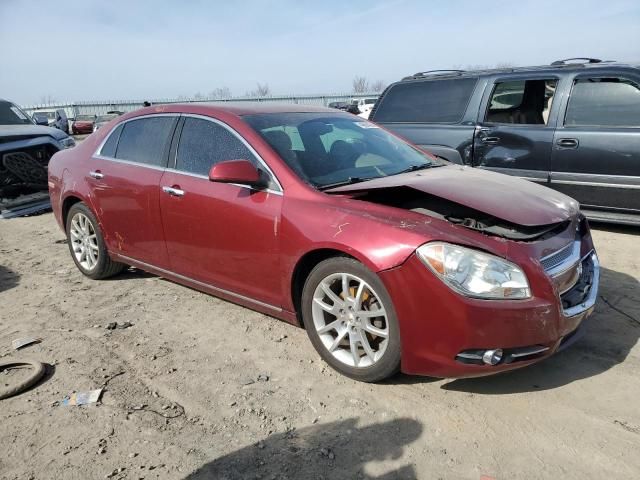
(391,258)
(25,151)
(573,126)
(55,118)
(339,105)
(83,124)
(40,118)
(102,120)
(364,106)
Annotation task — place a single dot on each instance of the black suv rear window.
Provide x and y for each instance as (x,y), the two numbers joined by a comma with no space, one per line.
(429,101)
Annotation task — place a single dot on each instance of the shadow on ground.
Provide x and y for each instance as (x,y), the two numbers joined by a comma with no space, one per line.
(337,450)
(8,278)
(611,332)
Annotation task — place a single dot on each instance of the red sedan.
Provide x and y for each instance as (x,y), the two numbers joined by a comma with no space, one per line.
(391,259)
(83,124)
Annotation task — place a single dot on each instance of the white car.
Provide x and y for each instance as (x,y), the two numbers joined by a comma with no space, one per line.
(364,105)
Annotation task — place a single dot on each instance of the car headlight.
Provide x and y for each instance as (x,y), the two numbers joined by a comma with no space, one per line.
(68,142)
(474,273)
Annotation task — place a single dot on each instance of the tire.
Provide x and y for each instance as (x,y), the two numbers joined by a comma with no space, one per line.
(340,325)
(35,376)
(100,265)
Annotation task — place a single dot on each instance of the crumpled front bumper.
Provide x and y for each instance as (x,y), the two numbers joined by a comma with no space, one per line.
(438,324)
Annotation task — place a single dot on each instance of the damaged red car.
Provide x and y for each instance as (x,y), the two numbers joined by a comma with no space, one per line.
(392,259)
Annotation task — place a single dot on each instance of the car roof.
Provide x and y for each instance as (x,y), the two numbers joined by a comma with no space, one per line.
(242,108)
(560,65)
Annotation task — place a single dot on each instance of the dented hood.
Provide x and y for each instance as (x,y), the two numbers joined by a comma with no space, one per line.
(510,198)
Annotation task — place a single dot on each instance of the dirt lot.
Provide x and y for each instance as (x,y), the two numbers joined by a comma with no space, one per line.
(199,388)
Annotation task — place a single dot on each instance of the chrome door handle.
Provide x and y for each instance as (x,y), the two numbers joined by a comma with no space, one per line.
(490,140)
(175,192)
(96,174)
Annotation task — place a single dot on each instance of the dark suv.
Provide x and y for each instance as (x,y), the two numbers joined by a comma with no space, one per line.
(574,127)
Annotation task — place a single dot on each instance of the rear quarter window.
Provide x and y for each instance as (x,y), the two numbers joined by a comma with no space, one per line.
(428,101)
(109,147)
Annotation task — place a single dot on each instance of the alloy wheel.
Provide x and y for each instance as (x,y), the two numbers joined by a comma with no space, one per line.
(84,241)
(350,320)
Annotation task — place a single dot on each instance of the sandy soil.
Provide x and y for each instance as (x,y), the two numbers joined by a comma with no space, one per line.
(199,388)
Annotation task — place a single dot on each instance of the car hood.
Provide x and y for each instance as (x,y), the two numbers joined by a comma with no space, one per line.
(517,201)
(9,132)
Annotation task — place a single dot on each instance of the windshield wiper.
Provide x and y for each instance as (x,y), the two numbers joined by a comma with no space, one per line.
(341,183)
(414,168)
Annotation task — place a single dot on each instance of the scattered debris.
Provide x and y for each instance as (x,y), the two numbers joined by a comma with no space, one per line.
(38,368)
(627,427)
(263,377)
(83,398)
(327,452)
(18,343)
(247,381)
(120,326)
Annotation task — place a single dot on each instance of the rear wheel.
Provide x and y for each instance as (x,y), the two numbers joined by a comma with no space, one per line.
(350,320)
(86,244)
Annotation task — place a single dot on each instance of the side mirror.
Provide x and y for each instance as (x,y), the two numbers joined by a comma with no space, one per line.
(237,171)
(41,120)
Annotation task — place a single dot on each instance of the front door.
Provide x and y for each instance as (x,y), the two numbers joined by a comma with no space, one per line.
(596,151)
(515,128)
(224,235)
(125,181)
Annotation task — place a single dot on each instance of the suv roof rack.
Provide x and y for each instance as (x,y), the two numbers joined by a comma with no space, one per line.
(570,61)
(440,72)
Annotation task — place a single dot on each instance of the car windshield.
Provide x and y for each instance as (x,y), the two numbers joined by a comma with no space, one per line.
(85,118)
(106,118)
(327,149)
(12,115)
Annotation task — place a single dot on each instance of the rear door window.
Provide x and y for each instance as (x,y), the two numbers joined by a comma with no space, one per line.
(607,102)
(144,140)
(523,102)
(429,101)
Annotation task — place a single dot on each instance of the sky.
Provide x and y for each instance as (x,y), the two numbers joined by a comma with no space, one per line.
(152,49)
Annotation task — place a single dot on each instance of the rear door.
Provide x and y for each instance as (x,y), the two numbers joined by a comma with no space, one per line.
(516,123)
(596,151)
(124,177)
(224,235)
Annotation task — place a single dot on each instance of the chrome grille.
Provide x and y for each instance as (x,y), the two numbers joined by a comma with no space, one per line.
(555,259)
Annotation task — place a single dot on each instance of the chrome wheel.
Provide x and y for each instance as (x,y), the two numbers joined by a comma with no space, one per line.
(350,320)
(84,241)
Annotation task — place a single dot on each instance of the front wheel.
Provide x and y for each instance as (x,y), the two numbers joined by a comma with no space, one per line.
(86,244)
(350,320)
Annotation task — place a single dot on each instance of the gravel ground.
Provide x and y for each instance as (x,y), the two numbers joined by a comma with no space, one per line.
(199,388)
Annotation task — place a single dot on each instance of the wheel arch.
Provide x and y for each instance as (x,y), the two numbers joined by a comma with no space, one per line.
(303,267)
(67,203)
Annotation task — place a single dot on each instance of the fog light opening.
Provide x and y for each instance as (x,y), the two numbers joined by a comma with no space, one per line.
(492,357)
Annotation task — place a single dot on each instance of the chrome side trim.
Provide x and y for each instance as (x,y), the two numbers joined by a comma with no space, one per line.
(528,352)
(590,301)
(469,356)
(197,282)
(129,162)
(204,177)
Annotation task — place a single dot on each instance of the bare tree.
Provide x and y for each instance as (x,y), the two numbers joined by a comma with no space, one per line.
(262,90)
(220,93)
(198,96)
(378,86)
(360,84)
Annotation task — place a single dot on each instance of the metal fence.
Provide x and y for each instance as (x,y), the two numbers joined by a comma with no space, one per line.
(74,109)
